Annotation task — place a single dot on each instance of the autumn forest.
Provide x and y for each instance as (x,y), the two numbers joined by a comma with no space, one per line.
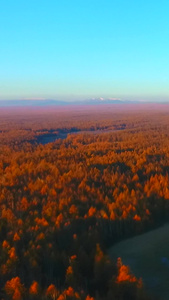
(74,182)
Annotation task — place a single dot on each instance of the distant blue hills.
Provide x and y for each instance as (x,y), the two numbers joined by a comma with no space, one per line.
(50,102)
(7,103)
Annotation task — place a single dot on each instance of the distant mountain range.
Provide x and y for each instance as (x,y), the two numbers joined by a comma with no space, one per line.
(50,102)
(5,103)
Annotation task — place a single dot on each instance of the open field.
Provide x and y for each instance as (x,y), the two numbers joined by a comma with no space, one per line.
(148,257)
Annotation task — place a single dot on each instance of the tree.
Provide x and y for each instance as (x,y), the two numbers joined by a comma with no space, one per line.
(14,288)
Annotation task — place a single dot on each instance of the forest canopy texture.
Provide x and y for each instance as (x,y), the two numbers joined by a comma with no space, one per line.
(104,177)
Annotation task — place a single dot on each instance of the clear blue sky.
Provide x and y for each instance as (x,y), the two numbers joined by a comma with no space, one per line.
(76,49)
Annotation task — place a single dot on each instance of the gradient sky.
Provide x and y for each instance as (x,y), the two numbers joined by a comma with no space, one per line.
(76,49)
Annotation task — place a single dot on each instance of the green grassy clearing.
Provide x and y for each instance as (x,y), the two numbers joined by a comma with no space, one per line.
(148,257)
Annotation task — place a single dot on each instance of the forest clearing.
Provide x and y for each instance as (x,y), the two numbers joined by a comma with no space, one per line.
(147,255)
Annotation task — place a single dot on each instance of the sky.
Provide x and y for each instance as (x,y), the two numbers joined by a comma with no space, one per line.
(80,49)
